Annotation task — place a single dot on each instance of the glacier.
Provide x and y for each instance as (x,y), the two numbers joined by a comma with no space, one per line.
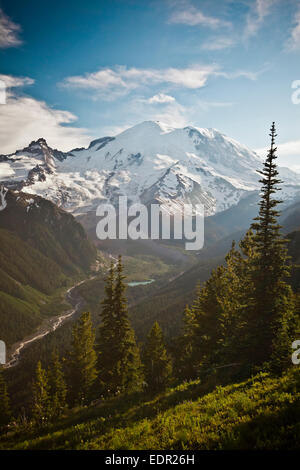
(149,163)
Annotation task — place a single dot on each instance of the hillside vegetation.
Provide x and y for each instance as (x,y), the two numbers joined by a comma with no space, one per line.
(41,249)
(260,413)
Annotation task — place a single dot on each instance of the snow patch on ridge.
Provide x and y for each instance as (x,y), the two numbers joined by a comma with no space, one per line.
(148,162)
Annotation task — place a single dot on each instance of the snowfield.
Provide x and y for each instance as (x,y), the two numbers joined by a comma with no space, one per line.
(148,163)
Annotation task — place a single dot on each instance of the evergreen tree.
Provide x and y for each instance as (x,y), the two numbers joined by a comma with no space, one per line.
(245,311)
(273,305)
(82,360)
(105,341)
(157,364)
(119,357)
(5,413)
(234,301)
(202,321)
(214,325)
(127,367)
(182,348)
(40,410)
(57,387)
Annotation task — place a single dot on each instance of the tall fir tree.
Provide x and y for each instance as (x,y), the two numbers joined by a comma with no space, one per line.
(127,367)
(245,312)
(57,387)
(273,306)
(215,324)
(5,412)
(119,355)
(233,298)
(202,324)
(82,361)
(185,365)
(40,411)
(157,364)
(105,340)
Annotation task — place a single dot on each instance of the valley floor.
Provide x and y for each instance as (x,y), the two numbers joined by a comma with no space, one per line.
(48,325)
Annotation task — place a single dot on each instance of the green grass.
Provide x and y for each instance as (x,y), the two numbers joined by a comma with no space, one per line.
(260,413)
(142,268)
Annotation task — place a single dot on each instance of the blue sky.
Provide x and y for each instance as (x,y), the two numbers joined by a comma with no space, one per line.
(76,70)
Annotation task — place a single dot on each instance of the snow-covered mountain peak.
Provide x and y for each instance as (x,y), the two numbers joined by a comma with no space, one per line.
(148,162)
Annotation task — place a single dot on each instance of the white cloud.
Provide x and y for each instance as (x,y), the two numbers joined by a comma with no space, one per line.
(109,84)
(288,154)
(241,73)
(294,41)
(139,109)
(8,32)
(287,149)
(23,119)
(173,115)
(291,148)
(161,98)
(13,82)
(255,19)
(218,43)
(189,15)
(103,79)
(122,80)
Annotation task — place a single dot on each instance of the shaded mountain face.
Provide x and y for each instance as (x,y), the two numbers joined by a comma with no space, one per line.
(41,246)
(148,163)
(49,229)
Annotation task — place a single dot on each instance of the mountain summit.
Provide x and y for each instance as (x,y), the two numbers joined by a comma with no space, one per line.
(149,162)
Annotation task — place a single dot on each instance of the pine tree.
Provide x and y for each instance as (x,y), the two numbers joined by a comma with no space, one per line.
(119,357)
(157,364)
(182,348)
(234,300)
(214,324)
(57,387)
(207,310)
(82,360)
(245,312)
(269,244)
(128,367)
(105,340)
(273,304)
(5,413)
(40,410)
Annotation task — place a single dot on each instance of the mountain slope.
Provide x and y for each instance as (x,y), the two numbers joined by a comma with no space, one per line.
(149,163)
(49,229)
(260,413)
(41,246)
(24,286)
